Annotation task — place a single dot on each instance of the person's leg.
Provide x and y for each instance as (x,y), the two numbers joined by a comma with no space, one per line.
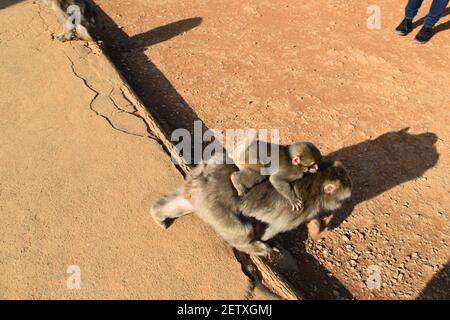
(412,8)
(436,11)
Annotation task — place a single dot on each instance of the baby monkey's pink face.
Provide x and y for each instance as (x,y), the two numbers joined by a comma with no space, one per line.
(311,167)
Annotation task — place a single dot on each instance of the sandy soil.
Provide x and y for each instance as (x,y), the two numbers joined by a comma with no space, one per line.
(377,101)
(78,173)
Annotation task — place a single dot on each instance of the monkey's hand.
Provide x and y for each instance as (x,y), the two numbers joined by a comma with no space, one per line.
(314,229)
(62,37)
(297,204)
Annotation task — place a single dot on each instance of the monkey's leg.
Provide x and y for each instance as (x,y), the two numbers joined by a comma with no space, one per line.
(169,207)
(314,229)
(258,248)
(285,189)
(82,33)
(245,179)
(67,33)
(64,36)
(271,231)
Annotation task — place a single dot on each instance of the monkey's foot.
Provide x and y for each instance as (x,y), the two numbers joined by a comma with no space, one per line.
(297,205)
(258,248)
(241,193)
(241,190)
(163,224)
(62,37)
(314,229)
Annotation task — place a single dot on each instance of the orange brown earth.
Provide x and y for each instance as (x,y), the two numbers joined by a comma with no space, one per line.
(376,101)
(78,172)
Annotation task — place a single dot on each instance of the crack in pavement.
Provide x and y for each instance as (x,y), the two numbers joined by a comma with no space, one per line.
(135,113)
(97,94)
(46,26)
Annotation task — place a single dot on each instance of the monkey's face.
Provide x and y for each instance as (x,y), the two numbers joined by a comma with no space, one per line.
(336,186)
(307,164)
(307,156)
(336,189)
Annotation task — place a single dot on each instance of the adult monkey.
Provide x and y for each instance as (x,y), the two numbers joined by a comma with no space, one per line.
(210,194)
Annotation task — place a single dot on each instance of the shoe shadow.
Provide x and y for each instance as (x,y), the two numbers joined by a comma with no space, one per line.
(378,165)
(439,28)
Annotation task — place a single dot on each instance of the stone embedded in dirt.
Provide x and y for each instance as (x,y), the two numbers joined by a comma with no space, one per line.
(346,238)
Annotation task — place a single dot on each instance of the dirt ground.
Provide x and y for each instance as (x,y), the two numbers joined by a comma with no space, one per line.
(78,173)
(376,101)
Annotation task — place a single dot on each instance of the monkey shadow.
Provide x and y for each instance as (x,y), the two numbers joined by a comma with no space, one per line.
(7,3)
(375,166)
(439,287)
(151,86)
(439,28)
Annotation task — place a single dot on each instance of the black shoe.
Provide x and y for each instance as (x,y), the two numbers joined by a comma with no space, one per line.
(424,35)
(404,27)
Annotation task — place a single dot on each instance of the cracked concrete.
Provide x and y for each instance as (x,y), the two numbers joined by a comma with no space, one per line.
(79,170)
(119,118)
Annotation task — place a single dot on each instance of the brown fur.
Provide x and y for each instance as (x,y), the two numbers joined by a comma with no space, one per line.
(216,202)
(249,173)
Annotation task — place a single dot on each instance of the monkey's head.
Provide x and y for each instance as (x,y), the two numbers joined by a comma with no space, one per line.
(333,184)
(305,155)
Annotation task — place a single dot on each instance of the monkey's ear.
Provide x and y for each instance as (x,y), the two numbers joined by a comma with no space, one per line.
(296,160)
(329,188)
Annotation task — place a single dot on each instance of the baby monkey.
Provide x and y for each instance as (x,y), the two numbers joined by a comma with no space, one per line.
(76,16)
(293,162)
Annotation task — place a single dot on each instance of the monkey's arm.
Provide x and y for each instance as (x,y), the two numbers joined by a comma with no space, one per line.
(284,187)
